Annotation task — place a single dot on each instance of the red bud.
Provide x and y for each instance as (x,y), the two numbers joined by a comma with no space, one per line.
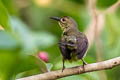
(43,55)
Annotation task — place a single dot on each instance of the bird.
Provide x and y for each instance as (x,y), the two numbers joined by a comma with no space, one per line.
(73,43)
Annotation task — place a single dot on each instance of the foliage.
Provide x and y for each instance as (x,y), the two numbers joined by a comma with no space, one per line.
(28,30)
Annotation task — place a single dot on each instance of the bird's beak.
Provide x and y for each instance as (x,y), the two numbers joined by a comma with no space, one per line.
(55,18)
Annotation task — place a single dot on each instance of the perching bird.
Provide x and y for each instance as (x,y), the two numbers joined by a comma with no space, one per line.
(73,43)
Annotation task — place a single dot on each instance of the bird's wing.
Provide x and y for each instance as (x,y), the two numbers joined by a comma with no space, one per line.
(64,50)
(82,45)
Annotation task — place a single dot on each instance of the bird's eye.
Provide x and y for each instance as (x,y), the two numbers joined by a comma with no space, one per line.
(63,20)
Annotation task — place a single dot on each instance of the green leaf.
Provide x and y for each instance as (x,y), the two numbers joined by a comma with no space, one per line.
(22,33)
(7,42)
(9,6)
(4,20)
(31,66)
(9,52)
(105,3)
(30,63)
(49,66)
(31,40)
(43,39)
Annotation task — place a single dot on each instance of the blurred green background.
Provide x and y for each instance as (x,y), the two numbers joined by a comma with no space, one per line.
(28,32)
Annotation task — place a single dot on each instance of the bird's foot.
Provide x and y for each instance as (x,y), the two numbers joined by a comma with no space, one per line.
(63,68)
(84,63)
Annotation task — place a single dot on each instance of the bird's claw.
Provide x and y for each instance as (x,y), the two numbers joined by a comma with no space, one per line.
(85,63)
(63,68)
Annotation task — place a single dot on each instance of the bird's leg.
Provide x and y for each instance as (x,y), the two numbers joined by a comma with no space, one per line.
(84,63)
(63,65)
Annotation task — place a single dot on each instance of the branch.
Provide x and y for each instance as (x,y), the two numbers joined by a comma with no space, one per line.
(91,27)
(113,8)
(108,64)
(97,21)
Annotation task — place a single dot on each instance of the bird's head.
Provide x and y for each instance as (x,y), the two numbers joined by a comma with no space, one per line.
(65,22)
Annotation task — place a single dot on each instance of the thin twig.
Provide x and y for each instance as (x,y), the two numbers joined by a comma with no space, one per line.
(113,8)
(91,27)
(97,22)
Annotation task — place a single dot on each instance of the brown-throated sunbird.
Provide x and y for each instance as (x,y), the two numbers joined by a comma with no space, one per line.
(73,43)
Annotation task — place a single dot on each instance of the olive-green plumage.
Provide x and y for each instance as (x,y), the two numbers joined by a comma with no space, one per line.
(73,43)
